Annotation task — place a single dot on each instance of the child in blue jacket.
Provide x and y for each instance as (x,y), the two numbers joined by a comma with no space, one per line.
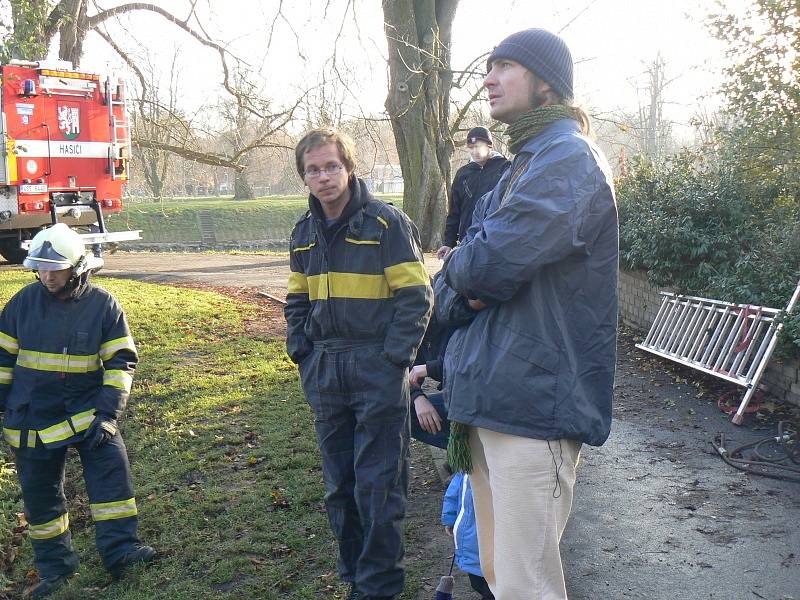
(458,518)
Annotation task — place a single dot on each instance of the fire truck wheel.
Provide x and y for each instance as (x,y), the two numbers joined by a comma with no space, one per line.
(10,250)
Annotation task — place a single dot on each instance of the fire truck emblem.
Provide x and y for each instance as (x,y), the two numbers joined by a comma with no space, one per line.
(69,121)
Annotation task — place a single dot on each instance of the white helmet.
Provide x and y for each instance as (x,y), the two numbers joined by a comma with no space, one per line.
(59,247)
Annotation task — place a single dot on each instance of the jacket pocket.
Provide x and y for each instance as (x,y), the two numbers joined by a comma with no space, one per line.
(522,372)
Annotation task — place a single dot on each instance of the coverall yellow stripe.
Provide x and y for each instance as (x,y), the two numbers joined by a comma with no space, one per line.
(298,283)
(118,379)
(106,511)
(8,343)
(66,363)
(110,348)
(406,275)
(348,285)
(50,529)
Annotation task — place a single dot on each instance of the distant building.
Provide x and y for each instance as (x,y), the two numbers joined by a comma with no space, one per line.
(387,179)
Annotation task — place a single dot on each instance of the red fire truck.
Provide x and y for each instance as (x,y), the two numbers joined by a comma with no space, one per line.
(64,151)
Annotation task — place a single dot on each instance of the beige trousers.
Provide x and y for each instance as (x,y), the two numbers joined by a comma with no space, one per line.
(521,508)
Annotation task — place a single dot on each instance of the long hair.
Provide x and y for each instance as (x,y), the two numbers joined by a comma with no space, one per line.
(581,116)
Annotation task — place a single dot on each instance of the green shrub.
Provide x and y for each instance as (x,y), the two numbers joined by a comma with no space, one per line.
(702,227)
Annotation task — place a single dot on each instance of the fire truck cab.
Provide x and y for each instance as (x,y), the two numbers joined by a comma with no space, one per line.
(64,151)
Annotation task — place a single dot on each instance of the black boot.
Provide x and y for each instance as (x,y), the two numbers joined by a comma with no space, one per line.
(47,586)
(138,556)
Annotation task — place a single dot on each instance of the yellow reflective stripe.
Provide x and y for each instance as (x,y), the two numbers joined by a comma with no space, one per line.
(406,275)
(31,439)
(11,436)
(317,287)
(298,283)
(66,363)
(50,529)
(8,343)
(82,420)
(370,242)
(302,248)
(111,347)
(118,379)
(56,433)
(383,222)
(105,511)
(6,375)
(348,285)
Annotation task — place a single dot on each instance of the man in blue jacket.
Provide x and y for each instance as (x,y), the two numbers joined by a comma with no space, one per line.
(532,375)
(357,306)
(67,360)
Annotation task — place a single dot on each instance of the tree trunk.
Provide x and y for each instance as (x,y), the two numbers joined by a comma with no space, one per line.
(418,34)
(242,189)
(72,30)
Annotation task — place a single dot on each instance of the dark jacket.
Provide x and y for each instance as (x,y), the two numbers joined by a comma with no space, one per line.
(470,183)
(539,362)
(362,280)
(62,361)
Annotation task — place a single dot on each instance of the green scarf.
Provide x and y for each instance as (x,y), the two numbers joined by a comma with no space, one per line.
(533,122)
(458,454)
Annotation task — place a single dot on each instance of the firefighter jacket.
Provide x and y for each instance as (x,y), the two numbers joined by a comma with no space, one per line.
(62,361)
(363,279)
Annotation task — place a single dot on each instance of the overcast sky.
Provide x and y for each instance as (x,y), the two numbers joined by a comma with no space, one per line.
(612,41)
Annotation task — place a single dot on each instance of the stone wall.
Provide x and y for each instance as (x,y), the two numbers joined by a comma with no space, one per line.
(638,304)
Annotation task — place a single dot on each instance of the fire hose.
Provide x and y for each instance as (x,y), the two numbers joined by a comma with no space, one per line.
(776,457)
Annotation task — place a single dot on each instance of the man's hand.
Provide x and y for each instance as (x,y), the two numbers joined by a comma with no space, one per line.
(417,375)
(442,252)
(476,304)
(449,530)
(102,429)
(427,416)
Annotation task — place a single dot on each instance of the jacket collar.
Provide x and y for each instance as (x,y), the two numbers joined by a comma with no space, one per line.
(359,195)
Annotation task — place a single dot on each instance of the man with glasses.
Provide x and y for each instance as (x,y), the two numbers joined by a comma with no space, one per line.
(357,306)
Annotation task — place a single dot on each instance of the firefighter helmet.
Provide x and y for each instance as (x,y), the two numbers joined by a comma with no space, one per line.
(56,248)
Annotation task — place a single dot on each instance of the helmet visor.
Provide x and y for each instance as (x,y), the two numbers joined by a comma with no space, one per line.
(44,264)
(46,258)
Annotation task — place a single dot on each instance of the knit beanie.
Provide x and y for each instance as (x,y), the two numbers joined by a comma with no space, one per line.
(479,133)
(542,52)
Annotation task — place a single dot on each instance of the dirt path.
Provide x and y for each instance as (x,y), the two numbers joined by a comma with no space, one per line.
(267,272)
(657,514)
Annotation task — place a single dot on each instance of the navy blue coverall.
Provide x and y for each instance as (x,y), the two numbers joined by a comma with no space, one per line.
(357,306)
(62,362)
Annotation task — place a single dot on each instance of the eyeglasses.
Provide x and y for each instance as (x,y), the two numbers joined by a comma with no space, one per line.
(329,170)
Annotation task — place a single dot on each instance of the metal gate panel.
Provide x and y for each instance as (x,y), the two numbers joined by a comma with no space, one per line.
(733,342)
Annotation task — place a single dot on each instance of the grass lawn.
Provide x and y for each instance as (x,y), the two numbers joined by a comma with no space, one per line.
(270,218)
(225,462)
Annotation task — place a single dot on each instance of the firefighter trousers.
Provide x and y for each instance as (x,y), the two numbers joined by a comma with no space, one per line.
(360,402)
(107,474)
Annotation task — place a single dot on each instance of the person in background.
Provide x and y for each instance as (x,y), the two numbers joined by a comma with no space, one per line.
(472,181)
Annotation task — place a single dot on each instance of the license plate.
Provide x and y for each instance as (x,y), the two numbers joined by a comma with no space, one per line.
(33,188)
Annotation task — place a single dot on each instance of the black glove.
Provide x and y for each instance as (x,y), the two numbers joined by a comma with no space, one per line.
(102,429)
